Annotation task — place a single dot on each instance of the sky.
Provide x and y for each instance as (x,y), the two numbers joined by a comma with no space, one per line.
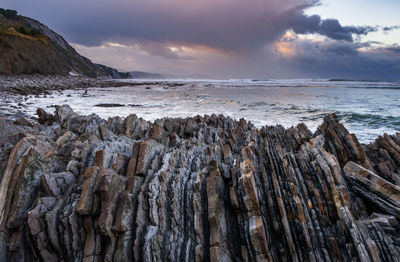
(357,39)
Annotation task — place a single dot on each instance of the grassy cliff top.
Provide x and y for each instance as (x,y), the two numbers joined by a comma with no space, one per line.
(15,25)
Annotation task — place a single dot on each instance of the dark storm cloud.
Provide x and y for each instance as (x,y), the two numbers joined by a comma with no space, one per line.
(331,28)
(345,59)
(347,50)
(232,25)
(391,28)
(393,48)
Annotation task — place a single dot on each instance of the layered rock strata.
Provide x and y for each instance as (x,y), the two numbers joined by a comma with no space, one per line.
(80,188)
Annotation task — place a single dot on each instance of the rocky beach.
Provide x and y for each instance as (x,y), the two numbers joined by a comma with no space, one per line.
(99,165)
(82,188)
(15,90)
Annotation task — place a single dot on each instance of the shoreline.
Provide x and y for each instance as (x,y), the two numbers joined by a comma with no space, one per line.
(21,95)
(119,179)
(14,89)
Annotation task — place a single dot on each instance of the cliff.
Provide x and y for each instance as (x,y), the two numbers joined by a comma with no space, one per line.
(29,47)
(80,188)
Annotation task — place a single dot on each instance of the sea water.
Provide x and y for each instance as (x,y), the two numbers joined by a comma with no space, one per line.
(366,108)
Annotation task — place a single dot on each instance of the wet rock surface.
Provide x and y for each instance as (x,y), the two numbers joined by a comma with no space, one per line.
(17,90)
(81,188)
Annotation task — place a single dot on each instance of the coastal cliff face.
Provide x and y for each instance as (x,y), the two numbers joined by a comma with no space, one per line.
(80,188)
(29,47)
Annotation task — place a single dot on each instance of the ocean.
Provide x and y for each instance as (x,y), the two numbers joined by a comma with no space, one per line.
(366,108)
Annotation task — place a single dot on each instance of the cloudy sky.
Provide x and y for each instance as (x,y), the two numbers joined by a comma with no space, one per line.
(358,39)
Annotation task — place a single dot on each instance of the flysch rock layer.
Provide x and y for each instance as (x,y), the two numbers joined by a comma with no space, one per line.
(80,188)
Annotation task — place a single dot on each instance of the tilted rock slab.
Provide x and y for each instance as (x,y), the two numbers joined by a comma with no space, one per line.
(196,189)
(377,190)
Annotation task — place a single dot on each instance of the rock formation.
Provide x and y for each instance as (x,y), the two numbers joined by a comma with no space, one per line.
(80,188)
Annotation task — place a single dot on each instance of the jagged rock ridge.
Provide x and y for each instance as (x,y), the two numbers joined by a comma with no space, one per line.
(80,188)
